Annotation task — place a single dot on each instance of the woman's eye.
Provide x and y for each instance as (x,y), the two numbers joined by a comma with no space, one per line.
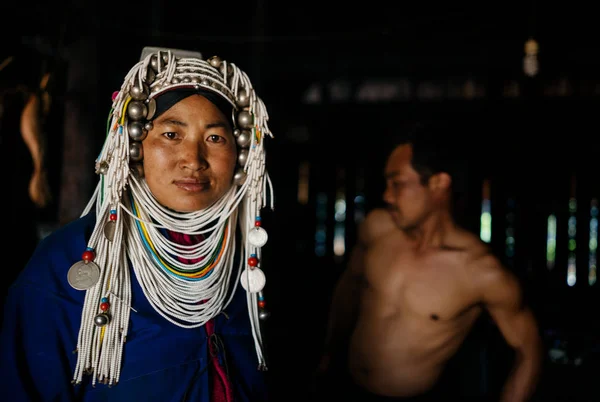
(170,135)
(215,138)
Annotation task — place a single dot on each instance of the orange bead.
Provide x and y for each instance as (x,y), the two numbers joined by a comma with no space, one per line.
(88,255)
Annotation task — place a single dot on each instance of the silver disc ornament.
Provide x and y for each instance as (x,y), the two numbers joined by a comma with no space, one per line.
(109,230)
(83,275)
(253,280)
(258,236)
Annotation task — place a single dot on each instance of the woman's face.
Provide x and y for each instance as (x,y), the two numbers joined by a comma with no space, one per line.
(190,155)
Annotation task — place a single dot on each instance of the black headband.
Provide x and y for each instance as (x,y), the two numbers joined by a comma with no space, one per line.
(167,100)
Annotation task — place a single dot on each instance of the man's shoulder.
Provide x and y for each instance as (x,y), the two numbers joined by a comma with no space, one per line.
(377,222)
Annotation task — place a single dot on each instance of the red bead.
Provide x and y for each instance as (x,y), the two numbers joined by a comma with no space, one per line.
(115,94)
(88,255)
(104,306)
(256,223)
(113,217)
(253,261)
(261,304)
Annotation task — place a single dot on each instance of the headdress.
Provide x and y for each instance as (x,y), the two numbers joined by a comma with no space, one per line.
(130,222)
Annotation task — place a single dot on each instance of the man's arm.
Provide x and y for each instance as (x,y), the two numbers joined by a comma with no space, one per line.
(343,307)
(502,296)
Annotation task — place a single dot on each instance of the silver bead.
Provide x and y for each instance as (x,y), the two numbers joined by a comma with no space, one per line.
(175,80)
(243,99)
(242,157)
(150,76)
(263,314)
(136,131)
(102,168)
(239,177)
(215,61)
(136,152)
(137,110)
(148,126)
(165,56)
(151,109)
(236,132)
(187,79)
(205,82)
(101,320)
(245,119)
(139,93)
(243,140)
(154,63)
(195,80)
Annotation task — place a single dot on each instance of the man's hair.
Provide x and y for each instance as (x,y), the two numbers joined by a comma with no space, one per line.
(435,149)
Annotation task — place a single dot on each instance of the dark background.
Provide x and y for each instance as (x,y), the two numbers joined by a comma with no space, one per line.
(311,62)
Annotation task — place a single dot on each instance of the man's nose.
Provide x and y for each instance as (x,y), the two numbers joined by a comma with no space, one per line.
(388,196)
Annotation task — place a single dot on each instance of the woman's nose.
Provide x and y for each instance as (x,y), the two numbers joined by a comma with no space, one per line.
(194,158)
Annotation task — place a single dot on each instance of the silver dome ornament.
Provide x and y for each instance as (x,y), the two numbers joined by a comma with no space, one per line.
(148,126)
(150,75)
(243,100)
(139,93)
(239,177)
(245,119)
(137,169)
(215,61)
(242,157)
(137,110)
(243,140)
(154,63)
(151,109)
(136,131)
(101,320)
(136,152)
(236,132)
(102,168)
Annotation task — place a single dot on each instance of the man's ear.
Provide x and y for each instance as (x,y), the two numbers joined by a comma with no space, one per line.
(440,181)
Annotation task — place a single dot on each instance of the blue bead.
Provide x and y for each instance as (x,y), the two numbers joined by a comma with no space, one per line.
(104,300)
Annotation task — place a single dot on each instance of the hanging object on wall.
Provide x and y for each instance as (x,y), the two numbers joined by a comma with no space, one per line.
(530,61)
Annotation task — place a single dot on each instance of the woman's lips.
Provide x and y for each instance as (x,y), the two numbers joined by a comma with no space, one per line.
(192,185)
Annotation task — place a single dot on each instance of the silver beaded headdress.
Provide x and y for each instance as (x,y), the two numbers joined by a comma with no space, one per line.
(129,219)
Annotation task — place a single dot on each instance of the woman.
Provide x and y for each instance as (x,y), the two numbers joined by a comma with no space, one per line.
(155,293)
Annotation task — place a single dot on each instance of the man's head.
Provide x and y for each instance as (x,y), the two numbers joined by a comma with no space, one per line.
(419,173)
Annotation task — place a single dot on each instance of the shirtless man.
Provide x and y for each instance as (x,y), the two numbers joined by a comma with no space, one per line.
(416,284)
